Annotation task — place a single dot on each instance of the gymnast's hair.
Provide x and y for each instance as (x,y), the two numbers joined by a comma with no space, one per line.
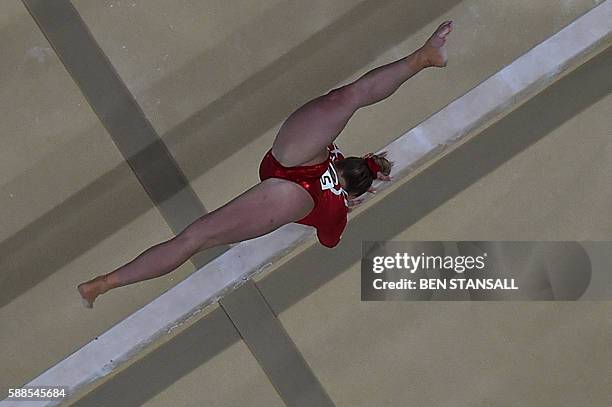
(358,175)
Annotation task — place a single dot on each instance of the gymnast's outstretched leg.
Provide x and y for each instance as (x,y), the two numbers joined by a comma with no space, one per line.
(308,130)
(258,211)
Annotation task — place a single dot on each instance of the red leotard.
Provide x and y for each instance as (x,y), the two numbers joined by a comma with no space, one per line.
(322,183)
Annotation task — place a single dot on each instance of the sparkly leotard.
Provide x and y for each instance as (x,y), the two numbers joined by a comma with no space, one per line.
(329,215)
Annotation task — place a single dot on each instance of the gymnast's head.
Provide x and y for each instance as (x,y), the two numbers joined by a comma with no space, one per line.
(357,173)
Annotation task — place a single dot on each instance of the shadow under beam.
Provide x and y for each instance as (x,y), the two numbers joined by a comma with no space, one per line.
(157,371)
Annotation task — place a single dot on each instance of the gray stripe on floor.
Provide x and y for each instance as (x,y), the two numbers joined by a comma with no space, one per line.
(171,192)
(273,348)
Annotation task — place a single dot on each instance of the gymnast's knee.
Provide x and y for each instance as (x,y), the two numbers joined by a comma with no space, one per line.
(197,236)
(349,95)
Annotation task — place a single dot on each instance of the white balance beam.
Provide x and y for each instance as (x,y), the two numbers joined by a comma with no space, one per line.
(498,95)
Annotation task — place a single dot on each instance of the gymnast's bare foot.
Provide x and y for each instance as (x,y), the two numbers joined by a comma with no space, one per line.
(91,289)
(433,52)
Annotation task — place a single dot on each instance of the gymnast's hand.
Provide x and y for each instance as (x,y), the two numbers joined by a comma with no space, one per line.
(352,203)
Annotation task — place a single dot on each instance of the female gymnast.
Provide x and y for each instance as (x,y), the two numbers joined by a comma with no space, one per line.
(304,176)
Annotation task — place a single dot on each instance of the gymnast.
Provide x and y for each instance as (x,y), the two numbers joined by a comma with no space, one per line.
(304,176)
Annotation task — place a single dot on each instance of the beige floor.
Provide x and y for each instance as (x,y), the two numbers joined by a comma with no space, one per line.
(216,81)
